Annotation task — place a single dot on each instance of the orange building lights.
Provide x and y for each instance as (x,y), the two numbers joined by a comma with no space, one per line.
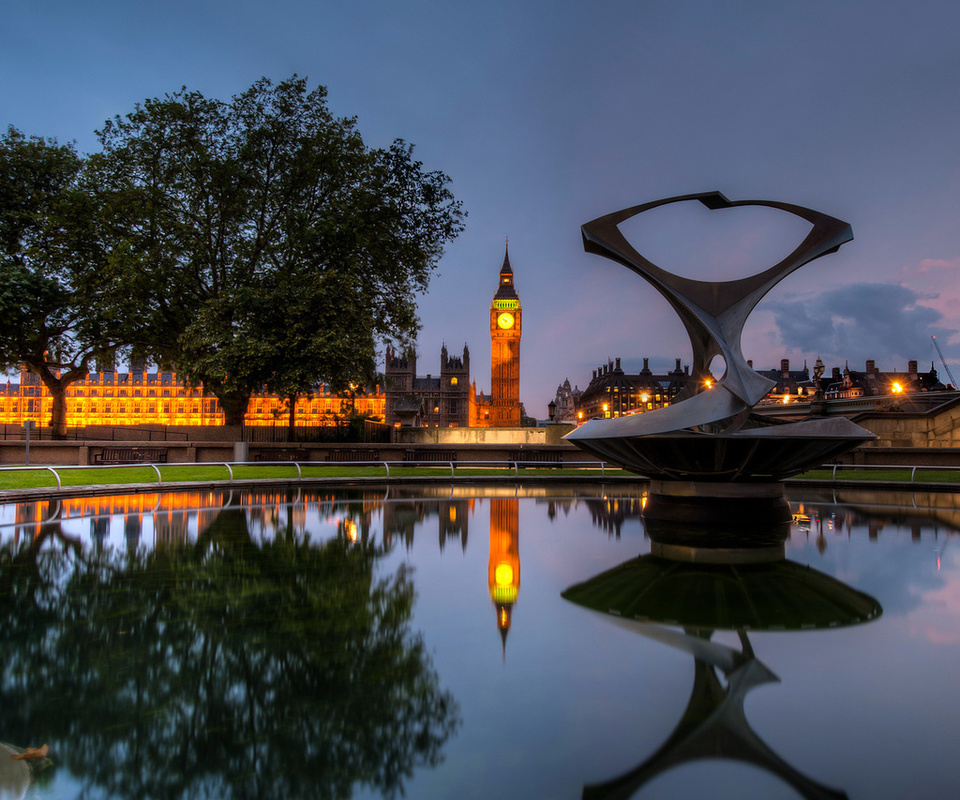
(160,398)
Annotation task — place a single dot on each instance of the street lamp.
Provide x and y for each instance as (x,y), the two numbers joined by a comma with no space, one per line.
(552,410)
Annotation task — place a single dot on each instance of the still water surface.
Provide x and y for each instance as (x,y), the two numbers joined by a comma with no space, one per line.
(368,643)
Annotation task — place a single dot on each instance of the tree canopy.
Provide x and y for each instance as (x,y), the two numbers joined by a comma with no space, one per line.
(265,245)
(53,248)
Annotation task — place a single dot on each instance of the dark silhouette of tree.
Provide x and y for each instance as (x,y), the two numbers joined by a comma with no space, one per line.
(53,253)
(267,244)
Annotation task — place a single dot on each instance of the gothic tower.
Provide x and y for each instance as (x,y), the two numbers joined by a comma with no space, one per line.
(505,315)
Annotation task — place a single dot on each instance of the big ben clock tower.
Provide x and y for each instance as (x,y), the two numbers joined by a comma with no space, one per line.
(505,316)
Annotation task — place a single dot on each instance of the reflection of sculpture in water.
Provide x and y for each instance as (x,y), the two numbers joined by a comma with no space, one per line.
(758,591)
(503,566)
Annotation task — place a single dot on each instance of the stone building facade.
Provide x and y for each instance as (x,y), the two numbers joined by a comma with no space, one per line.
(443,400)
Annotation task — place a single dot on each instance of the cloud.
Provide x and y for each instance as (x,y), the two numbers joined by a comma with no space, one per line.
(936,263)
(938,287)
(880,321)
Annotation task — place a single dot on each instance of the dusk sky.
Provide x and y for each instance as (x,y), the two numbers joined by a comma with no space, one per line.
(546,115)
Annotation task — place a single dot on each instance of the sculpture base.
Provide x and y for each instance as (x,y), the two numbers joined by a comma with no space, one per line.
(761,454)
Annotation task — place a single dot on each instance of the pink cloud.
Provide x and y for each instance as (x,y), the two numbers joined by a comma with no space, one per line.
(937,263)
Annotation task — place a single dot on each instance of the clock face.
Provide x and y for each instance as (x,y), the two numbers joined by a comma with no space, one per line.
(505,320)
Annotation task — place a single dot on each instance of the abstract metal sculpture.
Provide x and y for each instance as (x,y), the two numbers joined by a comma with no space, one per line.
(710,434)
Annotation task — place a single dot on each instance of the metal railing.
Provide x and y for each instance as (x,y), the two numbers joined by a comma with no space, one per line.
(516,466)
(912,468)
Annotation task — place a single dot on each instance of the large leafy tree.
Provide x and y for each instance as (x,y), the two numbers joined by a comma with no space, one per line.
(268,245)
(53,249)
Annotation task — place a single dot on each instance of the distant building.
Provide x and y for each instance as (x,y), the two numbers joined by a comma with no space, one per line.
(502,408)
(787,380)
(415,401)
(873,382)
(615,393)
(450,399)
(566,401)
(141,397)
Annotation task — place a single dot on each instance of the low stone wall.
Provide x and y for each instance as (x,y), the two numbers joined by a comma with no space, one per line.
(86,452)
(903,456)
(514,437)
(908,429)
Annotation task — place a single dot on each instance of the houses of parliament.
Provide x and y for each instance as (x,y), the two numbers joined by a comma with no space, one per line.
(450,399)
(139,397)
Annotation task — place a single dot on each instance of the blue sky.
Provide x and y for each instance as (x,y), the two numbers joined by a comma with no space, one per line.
(547,114)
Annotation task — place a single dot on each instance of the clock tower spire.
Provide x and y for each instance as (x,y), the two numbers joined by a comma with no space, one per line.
(505,327)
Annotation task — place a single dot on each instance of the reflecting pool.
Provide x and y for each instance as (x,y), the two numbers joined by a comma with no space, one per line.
(474,642)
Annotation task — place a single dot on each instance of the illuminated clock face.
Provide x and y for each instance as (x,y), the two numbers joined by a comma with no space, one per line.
(505,320)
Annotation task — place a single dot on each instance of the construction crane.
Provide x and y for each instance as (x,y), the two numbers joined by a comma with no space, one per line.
(943,361)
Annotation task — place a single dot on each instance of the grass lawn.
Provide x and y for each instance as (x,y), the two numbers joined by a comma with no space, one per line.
(925,475)
(33,477)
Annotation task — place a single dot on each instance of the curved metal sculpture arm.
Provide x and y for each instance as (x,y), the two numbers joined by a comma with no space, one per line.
(602,236)
(714,312)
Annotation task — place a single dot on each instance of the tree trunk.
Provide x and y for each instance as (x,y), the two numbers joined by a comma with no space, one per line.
(292,417)
(234,406)
(57,387)
(58,419)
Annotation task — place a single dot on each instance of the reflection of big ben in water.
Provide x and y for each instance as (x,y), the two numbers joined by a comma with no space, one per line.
(505,317)
(503,569)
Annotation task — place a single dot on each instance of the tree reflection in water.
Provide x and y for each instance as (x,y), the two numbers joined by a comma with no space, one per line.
(228,667)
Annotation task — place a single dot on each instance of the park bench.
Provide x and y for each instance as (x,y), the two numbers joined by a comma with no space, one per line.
(429,454)
(537,458)
(131,455)
(284,454)
(346,456)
